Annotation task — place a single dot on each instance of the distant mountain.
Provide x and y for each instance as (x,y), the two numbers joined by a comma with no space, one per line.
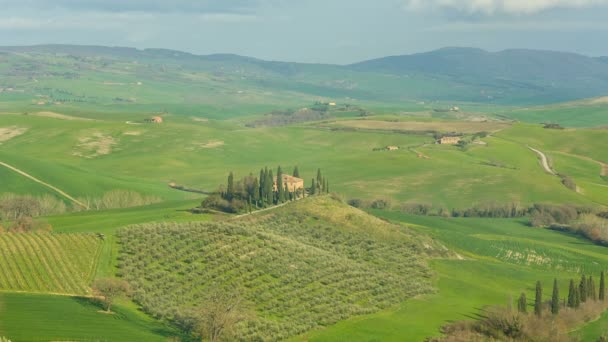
(451,74)
(508,64)
(559,74)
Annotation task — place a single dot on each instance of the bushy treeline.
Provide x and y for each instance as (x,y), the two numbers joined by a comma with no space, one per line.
(253,192)
(116,199)
(548,320)
(541,215)
(14,206)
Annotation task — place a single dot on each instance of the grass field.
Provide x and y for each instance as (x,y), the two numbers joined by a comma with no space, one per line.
(50,263)
(413,126)
(34,317)
(502,259)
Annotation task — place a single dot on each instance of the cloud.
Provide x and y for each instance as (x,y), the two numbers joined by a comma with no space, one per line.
(492,7)
(154,6)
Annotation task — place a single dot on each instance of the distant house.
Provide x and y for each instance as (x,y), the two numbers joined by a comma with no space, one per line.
(455,109)
(392,148)
(332,103)
(293,183)
(449,140)
(154,119)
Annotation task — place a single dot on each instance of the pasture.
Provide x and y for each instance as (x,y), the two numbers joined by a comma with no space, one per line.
(37,317)
(500,259)
(465,127)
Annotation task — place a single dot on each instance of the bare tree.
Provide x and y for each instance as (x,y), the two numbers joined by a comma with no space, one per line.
(110,289)
(220,313)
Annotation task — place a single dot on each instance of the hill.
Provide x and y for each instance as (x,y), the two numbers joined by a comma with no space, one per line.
(122,78)
(544,74)
(303,266)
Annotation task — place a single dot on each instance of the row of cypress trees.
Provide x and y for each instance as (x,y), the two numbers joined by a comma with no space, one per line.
(261,191)
(577,294)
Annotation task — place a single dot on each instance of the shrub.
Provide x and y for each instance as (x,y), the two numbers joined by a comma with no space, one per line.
(380,204)
(356,202)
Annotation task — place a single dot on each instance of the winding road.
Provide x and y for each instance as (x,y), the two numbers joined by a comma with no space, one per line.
(57,190)
(544,161)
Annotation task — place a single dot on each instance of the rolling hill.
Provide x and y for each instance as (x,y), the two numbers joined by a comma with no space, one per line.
(111,75)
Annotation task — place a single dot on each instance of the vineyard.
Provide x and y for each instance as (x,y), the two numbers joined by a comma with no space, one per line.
(50,263)
(299,268)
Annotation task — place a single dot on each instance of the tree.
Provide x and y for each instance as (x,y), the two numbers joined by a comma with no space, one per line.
(230,187)
(602,287)
(555,298)
(326,185)
(110,289)
(522,305)
(319,178)
(538,303)
(571,295)
(219,314)
(577,297)
(296,172)
(256,192)
(280,189)
(582,289)
(269,188)
(313,187)
(592,294)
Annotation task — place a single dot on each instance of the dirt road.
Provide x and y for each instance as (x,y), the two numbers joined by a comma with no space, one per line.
(57,190)
(544,161)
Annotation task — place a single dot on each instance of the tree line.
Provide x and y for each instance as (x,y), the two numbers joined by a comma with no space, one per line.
(251,192)
(551,320)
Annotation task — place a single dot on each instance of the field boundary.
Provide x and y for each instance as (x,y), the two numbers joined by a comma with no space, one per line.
(57,190)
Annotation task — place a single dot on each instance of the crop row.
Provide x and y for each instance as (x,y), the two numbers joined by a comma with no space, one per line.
(45,262)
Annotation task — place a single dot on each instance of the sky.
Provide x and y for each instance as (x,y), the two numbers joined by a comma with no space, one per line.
(317,31)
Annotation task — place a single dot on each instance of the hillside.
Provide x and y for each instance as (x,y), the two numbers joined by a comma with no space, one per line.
(548,74)
(121,78)
(304,266)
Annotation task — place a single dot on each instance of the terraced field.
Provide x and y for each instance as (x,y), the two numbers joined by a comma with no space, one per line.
(49,263)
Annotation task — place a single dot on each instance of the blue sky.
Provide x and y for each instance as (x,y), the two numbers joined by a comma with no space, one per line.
(327,31)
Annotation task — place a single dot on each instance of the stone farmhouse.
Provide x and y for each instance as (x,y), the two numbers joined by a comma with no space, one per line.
(449,140)
(154,119)
(293,183)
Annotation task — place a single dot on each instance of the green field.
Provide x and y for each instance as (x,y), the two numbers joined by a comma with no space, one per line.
(314,270)
(31,317)
(502,258)
(50,263)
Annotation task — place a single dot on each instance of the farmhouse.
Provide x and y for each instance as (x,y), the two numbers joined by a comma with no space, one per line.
(449,140)
(154,119)
(293,183)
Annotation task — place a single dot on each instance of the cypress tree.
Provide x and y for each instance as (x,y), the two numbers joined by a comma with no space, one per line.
(327,185)
(538,303)
(571,295)
(591,289)
(319,177)
(269,188)
(285,193)
(280,189)
(313,187)
(296,172)
(262,189)
(602,287)
(577,297)
(555,298)
(256,192)
(522,305)
(230,187)
(582,289)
